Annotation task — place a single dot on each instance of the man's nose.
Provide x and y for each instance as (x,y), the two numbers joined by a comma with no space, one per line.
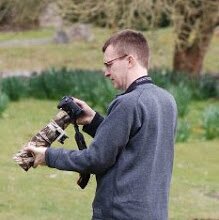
(106,72)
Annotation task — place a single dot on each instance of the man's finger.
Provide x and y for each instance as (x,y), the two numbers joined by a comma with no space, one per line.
(79,102)
(30,148)
(36,163)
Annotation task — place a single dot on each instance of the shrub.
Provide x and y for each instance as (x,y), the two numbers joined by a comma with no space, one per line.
(183,131)
(98,91)
(37,87)
(211,122)
(3,102)
(88,85)
(54,84)
(182,94)
(161,78)
(207,87)
(15,87)
(201,88)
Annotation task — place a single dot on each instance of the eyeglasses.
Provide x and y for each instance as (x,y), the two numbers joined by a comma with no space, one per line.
(110,63)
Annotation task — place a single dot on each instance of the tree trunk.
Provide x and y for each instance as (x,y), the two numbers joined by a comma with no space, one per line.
(187,61)
(194,25)
(190,59)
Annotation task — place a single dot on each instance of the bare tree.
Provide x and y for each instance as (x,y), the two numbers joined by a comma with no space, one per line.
(194,24)
(140,14)
(17,14)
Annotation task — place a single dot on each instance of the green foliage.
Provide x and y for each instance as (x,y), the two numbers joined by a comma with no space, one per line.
(15,87)
(53,84)
(177,84)
(207,87)
(3,102)
(87,85)
(166,78)
(183,131)
(161,78)
(202,88)
(182,95)
(98,91)
(211,122)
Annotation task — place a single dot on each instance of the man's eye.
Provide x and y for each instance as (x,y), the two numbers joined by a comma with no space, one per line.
(107,65)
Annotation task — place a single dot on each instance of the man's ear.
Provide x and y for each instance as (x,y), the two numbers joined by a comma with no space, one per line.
(131,61)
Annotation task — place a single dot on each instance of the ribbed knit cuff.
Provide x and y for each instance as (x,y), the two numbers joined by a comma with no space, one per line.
(92,127)
(50,156)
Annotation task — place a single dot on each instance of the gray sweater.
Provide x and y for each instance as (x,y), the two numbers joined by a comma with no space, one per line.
(131,155)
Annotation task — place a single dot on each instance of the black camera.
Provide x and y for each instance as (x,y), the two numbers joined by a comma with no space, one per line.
(70,107)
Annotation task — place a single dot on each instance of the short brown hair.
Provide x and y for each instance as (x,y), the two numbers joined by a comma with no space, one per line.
(129,41)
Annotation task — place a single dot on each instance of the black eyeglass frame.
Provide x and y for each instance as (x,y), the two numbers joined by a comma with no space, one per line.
(109,63)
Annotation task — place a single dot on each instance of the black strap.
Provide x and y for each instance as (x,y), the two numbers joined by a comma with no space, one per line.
(79,138)
(139,81)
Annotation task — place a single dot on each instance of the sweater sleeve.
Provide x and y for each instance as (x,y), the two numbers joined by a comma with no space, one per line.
(92,127)
(111,137)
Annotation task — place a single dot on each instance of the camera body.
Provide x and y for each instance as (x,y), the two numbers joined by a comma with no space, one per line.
(70,107)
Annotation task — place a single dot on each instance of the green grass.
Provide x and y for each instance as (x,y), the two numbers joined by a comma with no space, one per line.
(195,177)
(88,55)
(41,193)
(43,33)
(45,194)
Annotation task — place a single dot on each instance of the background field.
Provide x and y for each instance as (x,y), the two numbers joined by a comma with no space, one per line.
(46,193)
(86,55)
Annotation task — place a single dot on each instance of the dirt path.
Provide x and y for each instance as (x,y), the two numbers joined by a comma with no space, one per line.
(29,42)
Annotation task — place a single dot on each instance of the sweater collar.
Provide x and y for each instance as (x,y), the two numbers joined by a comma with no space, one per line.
(139,81)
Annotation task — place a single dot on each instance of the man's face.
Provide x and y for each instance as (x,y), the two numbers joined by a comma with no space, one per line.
(116,67)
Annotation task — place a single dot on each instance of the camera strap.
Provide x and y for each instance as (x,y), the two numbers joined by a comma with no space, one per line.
(139,81)
(79,138)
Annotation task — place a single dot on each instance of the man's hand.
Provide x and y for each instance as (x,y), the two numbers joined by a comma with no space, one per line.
(88,115)
(38,154)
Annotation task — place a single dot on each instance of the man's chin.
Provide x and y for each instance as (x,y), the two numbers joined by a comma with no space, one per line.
(115,85)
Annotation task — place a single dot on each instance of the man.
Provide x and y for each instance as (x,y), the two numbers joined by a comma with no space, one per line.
(133,146)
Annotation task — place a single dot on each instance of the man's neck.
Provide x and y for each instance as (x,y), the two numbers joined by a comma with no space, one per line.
(132,76)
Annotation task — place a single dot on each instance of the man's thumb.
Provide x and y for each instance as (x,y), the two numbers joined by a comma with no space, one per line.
(30,148)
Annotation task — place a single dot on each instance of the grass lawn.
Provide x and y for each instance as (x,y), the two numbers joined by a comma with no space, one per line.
(44,193)
(87,55)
